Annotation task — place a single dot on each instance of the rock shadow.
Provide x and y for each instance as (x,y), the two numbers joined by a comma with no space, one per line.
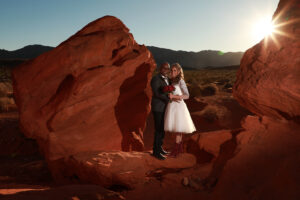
(132,108)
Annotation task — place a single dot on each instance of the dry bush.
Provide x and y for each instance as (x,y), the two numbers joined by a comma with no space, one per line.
(6,104)
(208,76)
(5,74)
(222,81)
(5,89)
(227,85)
(203,82)
(209,90)
(213,113)
(210,114)
(194,90)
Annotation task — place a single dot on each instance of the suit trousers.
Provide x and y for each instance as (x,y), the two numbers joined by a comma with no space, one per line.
(159,131)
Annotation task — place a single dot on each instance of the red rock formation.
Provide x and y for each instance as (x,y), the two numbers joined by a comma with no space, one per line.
(61,193)
(206,146)
(90,93)
(13,142)
(265,164)
(268,78)
(126,169)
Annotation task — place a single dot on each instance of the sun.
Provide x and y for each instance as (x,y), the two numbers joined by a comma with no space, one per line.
(263,28)
(274,29)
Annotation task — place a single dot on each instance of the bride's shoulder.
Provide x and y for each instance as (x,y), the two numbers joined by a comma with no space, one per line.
(181,81)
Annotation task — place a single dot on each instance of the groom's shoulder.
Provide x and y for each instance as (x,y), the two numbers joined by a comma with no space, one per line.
(155,77)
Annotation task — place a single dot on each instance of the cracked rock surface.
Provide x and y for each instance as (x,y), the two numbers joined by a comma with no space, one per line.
(268,79)
(90,93)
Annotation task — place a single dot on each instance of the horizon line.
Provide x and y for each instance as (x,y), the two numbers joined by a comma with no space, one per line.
(142,44)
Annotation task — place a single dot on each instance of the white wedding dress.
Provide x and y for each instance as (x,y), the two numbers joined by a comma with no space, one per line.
(177,115)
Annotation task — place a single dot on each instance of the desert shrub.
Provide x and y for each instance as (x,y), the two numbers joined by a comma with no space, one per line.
(5,89)
(194,90)
(208,76)
(222,81)
(210,114)
(209,90)
(5,74)
(227,85)
(198,80)
(6,103)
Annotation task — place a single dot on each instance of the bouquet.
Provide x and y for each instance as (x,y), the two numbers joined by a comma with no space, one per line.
(168,89)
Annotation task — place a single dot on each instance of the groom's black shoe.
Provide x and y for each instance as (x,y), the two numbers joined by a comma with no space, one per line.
(159,156)
(164,152)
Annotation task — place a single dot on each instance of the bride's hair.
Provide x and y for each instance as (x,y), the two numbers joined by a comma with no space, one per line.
(180,75)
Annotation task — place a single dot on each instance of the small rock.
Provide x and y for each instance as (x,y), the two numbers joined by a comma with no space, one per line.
(185,181)
(193,184)
(198,179)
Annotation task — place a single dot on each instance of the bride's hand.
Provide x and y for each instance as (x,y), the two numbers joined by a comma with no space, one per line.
(176,98)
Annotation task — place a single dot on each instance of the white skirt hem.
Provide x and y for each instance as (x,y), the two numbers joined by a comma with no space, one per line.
(178,118)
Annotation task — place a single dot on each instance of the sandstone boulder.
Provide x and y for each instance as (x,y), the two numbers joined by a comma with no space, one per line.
(266,161)
(72,192)
(268,79)
(266,165)
(206,146)
(118,168)
(90,93)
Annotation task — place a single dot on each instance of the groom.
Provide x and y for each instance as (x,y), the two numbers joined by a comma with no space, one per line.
(158,104)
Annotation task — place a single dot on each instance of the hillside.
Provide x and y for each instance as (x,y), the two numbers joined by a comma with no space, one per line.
(188,59)
(27,52)
(196,60)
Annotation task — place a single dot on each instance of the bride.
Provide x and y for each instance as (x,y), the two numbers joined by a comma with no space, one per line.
(177,117)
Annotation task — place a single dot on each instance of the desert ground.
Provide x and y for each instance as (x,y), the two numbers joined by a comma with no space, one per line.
(24,172)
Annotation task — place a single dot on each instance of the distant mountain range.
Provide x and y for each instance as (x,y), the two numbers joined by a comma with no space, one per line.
(188,59)
(27,52)
(197,60)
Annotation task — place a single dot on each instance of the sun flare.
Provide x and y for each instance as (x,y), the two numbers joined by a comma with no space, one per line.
(263,28)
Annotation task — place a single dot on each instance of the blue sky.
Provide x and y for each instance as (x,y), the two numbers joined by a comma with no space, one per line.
(191,25)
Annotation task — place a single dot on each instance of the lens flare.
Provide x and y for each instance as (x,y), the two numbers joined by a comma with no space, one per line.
(263,28)
(274,30)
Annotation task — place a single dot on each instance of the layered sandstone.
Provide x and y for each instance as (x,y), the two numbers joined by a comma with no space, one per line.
(268,79)
(90,93)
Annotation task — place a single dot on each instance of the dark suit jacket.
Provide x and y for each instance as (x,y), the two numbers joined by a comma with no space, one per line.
(159,98)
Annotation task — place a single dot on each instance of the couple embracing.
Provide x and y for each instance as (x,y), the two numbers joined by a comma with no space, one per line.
(169,109)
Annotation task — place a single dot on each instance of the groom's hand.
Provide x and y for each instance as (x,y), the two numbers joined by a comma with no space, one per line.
(174,97)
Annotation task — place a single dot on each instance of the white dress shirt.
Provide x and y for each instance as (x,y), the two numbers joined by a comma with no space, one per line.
(165,78)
